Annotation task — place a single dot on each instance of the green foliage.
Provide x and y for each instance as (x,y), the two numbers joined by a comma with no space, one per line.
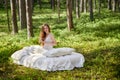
(98,41)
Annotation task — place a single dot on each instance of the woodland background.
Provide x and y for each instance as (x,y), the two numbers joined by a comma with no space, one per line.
(92,27)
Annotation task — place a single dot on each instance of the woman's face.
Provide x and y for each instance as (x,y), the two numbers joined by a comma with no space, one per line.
(46,29)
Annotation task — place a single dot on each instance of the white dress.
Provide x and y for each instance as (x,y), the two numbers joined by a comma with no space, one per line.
(48,58)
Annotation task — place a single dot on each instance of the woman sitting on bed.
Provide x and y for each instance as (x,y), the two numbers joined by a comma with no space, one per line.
(46,38)
(46,57)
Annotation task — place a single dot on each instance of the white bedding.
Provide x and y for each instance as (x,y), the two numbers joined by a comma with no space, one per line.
(33,57)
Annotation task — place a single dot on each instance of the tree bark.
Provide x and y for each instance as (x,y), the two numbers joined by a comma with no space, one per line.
(81,5)
(91,10)
(39,2)
(17,8)
(73,5)
(29,19)
(58,5)
(94,4)
(109,5)
(114,5)
(69,14)
(22,13)
(119,5)
(14,17)
(77,9)
(99,7)
(53,4)
(85,6)
(7,14)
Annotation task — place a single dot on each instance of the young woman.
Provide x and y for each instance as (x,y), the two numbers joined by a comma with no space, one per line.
(46,39)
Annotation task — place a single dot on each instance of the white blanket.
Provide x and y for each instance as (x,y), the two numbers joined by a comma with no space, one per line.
(33,56)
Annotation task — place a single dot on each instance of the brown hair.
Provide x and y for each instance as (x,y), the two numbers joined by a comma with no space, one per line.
(42,33)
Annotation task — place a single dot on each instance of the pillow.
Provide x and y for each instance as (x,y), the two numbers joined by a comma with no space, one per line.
(58,52)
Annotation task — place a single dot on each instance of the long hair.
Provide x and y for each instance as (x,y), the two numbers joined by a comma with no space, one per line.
(42,33)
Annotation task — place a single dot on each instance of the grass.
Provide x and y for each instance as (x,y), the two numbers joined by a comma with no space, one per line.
(98,41)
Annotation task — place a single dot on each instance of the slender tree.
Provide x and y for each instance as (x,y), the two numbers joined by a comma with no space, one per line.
(114,5)
(32,4)
(95,5)
(85,6)
(119,5)
(81,5)
(77,9)
(29,19)
(14,17)
(99,6)
(109,5)
(69,14)
(7,13)
(17,9)
(52,4)
(74,5)
(91,10)
(39,2)
(58,5)
(22,13)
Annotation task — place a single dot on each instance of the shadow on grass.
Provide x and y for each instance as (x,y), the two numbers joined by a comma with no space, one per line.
(104,61)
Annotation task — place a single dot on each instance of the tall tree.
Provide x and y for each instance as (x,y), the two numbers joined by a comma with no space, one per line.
(32,4)
(85,6)
(39,2)
(14,17)
(74,5)
(109,4)
(17,9)
(114,5)
(91,9)
(77,9)
(95,4)
(22,13)
(81,5)
(6,7)
(69,14)
(99,6)
(52,4)
(29,19)
(119,5)
(58,5)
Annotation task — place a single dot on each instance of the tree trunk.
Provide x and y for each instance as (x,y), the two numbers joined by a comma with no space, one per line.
(58,5)
(7,14)
(109,5)
(17,8)
(69,14)
(73,5)
(22,12)
(94,4)
(91,10)
(99,7)
(39,2)
(85,6)
(29,19)
(81,5)
(53,4)
(14,17)
(119,5)
(114,5)
(77,9)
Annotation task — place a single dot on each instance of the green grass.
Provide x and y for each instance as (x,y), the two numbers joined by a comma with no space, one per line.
(98,41)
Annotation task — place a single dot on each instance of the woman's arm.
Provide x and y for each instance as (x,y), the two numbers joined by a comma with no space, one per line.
(53,40)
